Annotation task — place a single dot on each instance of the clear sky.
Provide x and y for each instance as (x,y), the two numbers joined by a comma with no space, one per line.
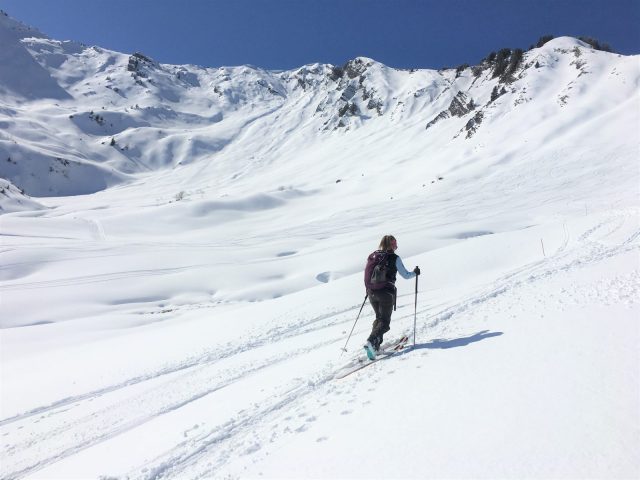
(284,34)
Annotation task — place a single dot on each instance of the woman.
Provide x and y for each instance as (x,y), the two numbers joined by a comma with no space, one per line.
(379,279)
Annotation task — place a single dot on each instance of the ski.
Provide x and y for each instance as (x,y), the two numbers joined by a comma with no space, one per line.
(387,351)
(394,346)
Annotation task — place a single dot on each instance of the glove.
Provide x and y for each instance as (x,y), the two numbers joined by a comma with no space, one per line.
(416,270)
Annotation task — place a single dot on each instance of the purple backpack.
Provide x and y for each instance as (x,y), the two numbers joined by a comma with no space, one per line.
(377,272)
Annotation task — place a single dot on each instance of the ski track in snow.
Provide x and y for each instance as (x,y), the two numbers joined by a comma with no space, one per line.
(180,461)
(46,435)
(98,278)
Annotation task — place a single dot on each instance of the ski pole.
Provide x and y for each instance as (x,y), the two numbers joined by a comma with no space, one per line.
(344,349)
(415,313)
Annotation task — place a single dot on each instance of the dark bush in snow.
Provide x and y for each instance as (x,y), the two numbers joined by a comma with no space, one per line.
(544,39)
(501,62)
(596,44)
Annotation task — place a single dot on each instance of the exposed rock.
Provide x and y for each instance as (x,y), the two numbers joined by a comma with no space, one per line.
(441,116)
(349,92)
(352,69)
(496,93)
(375,104)
(459,106)
(474,123)
(356,67)
(336,73)
(267,85)
(136,63)
(348,108)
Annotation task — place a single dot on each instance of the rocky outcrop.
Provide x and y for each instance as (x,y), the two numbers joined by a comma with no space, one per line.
(459,106)
(474,123)
(139,66)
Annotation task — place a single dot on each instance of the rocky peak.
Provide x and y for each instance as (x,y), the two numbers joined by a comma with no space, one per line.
(352,69)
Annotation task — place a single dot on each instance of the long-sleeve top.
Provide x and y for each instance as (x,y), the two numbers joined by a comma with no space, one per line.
(402,270)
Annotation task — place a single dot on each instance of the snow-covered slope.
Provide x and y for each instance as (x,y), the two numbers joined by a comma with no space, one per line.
(175,300)
(100,116)
(14,199)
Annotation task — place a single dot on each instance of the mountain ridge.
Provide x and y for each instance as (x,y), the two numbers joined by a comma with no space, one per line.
(112,116)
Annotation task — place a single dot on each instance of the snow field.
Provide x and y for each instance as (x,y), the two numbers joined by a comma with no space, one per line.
(270,396)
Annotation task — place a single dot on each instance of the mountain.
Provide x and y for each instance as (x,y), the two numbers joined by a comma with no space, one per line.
(78,119)
(182,255)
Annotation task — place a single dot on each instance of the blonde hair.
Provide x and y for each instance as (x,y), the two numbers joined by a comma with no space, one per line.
(385,243)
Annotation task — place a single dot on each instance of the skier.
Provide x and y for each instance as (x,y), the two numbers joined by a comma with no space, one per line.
(379,279)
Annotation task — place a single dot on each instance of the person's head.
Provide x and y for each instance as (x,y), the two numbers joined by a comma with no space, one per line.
(388,243)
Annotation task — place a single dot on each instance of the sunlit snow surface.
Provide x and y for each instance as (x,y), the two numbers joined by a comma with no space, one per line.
(174,305)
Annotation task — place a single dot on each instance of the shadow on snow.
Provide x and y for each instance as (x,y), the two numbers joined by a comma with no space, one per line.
(457,342)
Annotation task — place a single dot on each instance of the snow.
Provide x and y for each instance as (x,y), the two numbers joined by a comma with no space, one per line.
(174,305)
(14,199)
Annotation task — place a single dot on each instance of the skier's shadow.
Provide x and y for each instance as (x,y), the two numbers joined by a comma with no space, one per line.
(457,342)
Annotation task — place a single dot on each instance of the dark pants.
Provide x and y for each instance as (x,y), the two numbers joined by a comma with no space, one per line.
(382,302)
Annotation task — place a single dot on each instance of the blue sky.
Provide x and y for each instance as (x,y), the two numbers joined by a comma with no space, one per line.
(284,34)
